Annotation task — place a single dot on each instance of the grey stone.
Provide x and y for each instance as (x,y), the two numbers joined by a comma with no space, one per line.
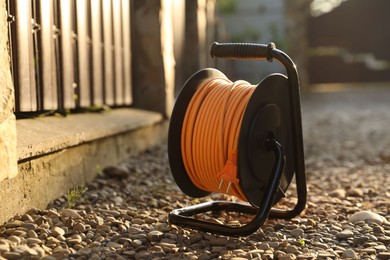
(378,230)
(30,226)
(218,241)
(154,236)
(15,239)
(287,257)
(80,227)
(75,239)
(356,192)
(383,255)
(33,241)
(24,250)
(84,250)
(32,234)
(338,193)
(345,234)
(4,248)
(298,232)
(349,253)
(291,249)
(120,172)
(12,255)
(114,245)
(136,243)
(57,231)
(381,248)
(70,213)
(366,216)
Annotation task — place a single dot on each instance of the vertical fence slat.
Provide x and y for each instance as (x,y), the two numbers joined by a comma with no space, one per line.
(48,69)
(126,52)
(26,88)
(67,53)
(118,52)
(58,53)
(108,57)
(97,58)
(84,96)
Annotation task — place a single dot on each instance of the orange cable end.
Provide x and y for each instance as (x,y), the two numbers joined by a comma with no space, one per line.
(229,172)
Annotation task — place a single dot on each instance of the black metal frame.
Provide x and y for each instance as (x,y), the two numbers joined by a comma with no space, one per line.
(261,208)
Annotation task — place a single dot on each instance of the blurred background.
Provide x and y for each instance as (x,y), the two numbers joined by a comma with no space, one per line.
(332,41)
(76,54)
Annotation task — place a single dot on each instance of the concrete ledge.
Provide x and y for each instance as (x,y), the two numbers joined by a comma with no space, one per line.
(56,154)
(40,136)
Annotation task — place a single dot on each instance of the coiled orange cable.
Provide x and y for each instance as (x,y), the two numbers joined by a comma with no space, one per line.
(209,138)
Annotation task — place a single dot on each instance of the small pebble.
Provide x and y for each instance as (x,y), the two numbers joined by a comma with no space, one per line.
(356,192)
(70,213)
(384,255)
(291,249)
(114,245)
(116,171)
(30,226)
(287,257)
(136,243)
(4,248)
(154,236)
(57,231)
(12,255)
(15,239)
(80,227)
(297,232)
(338,193)
(349,253)
(33,241)
(32,234)
(344,234)
(378,230)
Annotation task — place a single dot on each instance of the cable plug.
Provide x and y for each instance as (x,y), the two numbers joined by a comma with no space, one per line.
(229,172)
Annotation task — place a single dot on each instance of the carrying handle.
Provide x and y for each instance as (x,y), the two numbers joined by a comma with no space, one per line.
(242,51)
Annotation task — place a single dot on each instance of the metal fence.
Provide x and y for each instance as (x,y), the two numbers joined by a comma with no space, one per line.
(68,54)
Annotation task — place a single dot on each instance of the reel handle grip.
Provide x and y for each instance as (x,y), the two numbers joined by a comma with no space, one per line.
(242,51)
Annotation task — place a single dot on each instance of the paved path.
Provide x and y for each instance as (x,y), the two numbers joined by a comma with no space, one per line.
(351,127)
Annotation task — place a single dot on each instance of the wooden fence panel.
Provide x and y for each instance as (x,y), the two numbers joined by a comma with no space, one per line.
(25,72)
(84,66)
(47,56)
(67,54)
(97,52)
(118,52)
(126,52)
(109,82)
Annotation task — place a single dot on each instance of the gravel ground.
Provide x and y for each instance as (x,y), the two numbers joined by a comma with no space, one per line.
(123,214)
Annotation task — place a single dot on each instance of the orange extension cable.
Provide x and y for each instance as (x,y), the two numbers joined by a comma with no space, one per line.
(209,138)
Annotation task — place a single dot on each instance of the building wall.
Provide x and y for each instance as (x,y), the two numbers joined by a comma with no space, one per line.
(350,43)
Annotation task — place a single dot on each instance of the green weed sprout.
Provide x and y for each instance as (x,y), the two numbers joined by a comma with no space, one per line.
(301,242)
(74,194)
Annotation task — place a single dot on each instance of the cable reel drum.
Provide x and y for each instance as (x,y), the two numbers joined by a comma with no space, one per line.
(270,145)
